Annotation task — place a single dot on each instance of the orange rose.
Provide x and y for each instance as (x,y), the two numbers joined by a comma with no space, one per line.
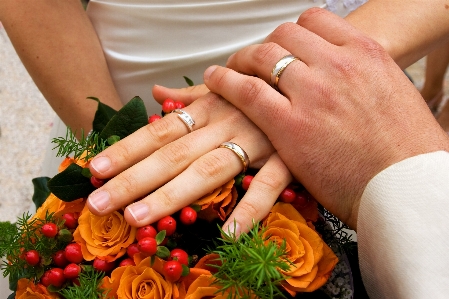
(313,261)
(140,282)
(203,287)
(105,237)
(26,289)
(54,205)
(219,203)
(67,161)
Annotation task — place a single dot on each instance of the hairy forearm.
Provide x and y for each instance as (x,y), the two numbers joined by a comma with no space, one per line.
(407,29)
(59,47)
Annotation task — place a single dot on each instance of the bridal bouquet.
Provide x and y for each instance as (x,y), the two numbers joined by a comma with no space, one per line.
(65,251)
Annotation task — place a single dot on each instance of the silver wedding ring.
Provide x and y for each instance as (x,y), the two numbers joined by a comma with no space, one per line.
(279,69)
(238,151)
(186,118)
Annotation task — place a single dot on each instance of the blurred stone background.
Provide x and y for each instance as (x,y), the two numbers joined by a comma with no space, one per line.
(25,124)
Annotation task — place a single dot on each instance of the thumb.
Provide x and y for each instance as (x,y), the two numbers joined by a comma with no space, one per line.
(186,95)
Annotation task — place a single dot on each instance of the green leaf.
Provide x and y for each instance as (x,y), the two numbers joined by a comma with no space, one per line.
(103,115)
(41,191)
(162,252)
(86,173)
(129,119)
(12,296)
(113,139)
(197,208)
(160,236)
(185,270)
(189,81)
(70,184)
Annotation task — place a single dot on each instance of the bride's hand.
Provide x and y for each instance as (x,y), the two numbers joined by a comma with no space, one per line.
(176,168)
(186,95)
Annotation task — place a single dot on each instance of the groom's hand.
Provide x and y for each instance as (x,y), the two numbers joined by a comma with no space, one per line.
(345,112)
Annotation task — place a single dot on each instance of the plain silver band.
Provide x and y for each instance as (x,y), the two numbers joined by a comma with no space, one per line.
(279,68)
(238,151)
(186,118)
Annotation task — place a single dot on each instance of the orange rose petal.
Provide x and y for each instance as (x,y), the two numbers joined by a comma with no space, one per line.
(65,163)
(208,198)
(313,239)
(26,289)
(193,275)
(288,211)
(325,268)
(209,259)
(202,287)
(300,282)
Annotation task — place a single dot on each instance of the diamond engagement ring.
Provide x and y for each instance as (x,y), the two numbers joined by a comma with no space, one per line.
(186,118)
(238,151)
(279,69)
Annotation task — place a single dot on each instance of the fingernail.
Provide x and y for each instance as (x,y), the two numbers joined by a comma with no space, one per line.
(233,229)
(209,71)
(139,211)
(101,164)
(99,200)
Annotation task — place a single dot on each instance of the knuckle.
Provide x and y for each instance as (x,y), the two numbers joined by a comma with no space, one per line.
(174,153)
(251,90)
(125,184)
(160,131)
(165,199)
(310,15)
(210,166)
(249,209)
(283,30)
(270,181)
(119,152)
(266,52)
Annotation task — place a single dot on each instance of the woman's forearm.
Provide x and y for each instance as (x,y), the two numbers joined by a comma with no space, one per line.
(60,49)
(407,29)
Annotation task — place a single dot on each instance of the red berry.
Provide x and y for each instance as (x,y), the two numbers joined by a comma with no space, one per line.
(127,262)
(102,265)
(59,259)
(148,246)
(73,253)
(188,216)
(172,270)
(56,277)
(49,230)
(168,105)
(71,220)
(96,182)
(145,231)
(168,223)
(288,195)
(132,250)
(179,105)
(180,256)
(153,118)
(72,271)
(246,181)
(45,279)
(32,257)
(301,200)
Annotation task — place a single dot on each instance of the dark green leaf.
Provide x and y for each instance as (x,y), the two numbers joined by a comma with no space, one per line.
(197,208)
(189,81)
(103,115)
(160,236)
(12,296)
(41,191)
(129,119)
(152,260)
(163,252)
(70,184)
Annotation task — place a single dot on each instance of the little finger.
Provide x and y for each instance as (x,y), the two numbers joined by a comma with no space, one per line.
(263,192)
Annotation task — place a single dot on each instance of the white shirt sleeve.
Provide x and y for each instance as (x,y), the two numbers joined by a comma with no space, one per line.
(403,229)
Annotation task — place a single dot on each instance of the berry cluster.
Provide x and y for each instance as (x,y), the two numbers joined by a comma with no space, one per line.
(167,106)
